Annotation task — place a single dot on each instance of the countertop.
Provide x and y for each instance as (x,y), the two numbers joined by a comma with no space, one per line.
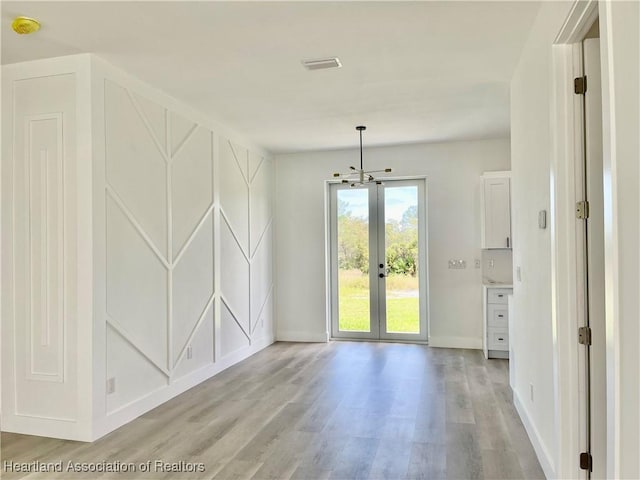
(497,285)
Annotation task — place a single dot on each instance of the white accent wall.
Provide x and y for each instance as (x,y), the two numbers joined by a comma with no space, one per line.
(44,308)
(173,215)
(453,173)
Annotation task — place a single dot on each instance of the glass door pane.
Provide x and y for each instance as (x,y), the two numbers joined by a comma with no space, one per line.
(401,253)
(353,260)
(378,264)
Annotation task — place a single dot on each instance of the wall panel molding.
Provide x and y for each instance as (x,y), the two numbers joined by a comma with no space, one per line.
(163,271)
(113,195)
(129,338)
(181,143)
(39,244)
(235,317)
(44,188)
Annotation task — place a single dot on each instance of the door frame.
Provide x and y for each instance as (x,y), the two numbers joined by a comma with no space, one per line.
(423,266)
(567,245)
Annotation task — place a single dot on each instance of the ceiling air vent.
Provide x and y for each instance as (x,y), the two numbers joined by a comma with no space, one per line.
(321,63)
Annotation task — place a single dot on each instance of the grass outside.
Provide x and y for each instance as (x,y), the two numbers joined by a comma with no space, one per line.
(403,310)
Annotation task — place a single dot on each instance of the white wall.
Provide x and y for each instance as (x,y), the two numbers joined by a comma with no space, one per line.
(453,182)
(533,339)
(45,389)
(187,246)
(178,277)
(497,265)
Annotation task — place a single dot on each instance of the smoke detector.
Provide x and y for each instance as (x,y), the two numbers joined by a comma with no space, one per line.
(25,25)
(322,63)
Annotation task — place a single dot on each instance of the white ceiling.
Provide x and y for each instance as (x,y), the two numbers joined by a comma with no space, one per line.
(412,71)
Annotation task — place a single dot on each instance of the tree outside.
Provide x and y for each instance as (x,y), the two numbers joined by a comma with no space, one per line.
(402,282)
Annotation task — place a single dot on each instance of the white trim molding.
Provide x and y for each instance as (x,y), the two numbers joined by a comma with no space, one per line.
(545,459)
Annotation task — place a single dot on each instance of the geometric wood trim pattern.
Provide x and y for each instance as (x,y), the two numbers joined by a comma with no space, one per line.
(267,229)
(184,141)
(261,310)
(162,149)
(235,316)
(262,235)
(169,148)
(192,235)
(235,236)
(241,160)
(257,170)
(111,192)
(239,165)
(128,337)
(201,318)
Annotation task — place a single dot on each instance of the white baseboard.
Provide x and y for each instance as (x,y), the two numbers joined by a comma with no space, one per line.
(140,406)
(46,427)
(308,337)
(456,342)
(546,461)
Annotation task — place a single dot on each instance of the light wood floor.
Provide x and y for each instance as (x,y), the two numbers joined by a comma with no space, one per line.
(343,410)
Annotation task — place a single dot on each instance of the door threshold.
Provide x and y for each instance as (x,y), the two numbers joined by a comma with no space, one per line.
(374,340)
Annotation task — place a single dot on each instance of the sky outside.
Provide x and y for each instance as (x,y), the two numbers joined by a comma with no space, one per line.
(397,200)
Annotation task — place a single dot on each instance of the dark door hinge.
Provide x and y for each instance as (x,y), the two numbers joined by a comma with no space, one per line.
(580,85)
(586,461)
(582,210)
(584,336)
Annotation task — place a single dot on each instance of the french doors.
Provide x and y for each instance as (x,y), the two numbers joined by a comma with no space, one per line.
(379,261)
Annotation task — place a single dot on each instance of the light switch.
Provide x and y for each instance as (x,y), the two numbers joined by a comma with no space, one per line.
(542,219)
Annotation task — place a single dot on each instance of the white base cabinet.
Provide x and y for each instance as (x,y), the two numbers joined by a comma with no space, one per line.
(496,321)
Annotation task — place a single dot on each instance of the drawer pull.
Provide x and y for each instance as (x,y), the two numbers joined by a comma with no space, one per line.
(500,295)
(500,316)
(501,339)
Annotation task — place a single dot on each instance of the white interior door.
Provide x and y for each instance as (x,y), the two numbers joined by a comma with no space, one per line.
(378,261)
(595,255)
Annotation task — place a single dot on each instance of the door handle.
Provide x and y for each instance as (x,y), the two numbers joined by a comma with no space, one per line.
(507,242)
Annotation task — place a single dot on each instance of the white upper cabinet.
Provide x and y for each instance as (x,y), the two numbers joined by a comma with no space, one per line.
(496,210)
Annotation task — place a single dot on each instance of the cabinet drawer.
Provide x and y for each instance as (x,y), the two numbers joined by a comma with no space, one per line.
(498,295)
(498,315)
(498,339)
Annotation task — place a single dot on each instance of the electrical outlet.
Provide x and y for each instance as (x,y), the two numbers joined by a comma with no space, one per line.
(531,391)
(457,263)
(189,352)
(111,385)
(477,263)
